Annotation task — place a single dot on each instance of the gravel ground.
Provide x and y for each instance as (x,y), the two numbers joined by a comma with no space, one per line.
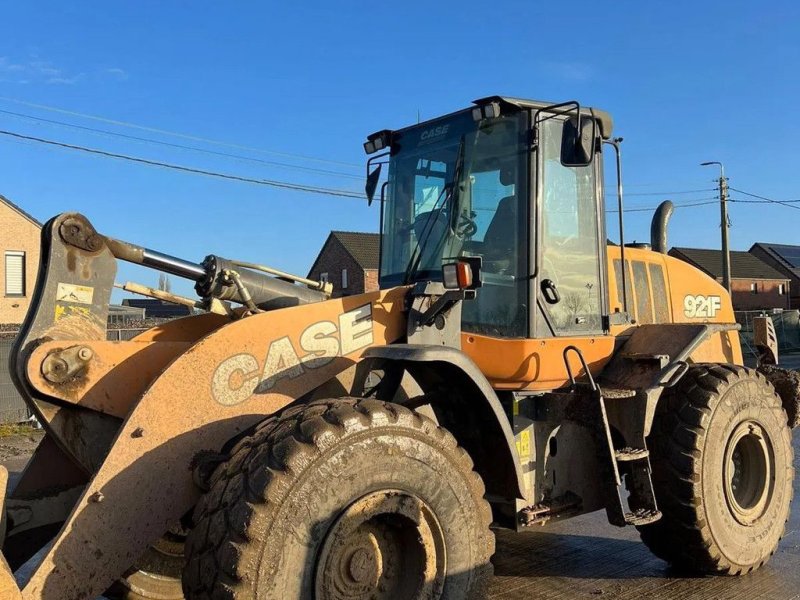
(17,443)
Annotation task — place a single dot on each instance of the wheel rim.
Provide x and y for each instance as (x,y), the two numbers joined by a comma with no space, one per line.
(157,573)
(386,545)
(748,472)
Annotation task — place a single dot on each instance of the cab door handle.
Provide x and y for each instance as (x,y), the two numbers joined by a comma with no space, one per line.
(550,292)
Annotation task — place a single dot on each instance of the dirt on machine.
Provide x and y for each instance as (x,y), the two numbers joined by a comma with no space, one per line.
(515,369)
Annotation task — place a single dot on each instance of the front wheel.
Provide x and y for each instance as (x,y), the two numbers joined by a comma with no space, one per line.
(339,500)
(722,471)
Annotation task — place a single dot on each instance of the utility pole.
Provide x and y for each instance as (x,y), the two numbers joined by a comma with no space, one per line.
(723,210)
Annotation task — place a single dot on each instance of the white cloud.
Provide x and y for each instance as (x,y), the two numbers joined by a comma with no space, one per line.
(6,66)
(117,73)
(58,79)
(36,70)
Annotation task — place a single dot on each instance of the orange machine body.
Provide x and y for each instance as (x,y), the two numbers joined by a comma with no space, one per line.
(661,289)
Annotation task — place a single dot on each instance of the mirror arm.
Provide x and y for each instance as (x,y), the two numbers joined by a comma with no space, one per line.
(554,109)
(375,157)
(621,206)
(383,191)
(370,161)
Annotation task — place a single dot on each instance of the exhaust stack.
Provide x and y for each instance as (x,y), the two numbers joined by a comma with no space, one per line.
(658,227)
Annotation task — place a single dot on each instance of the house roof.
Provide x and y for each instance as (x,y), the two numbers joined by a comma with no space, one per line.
(16,208)
(743,264)
(363,247)
(157,308)
(785,254)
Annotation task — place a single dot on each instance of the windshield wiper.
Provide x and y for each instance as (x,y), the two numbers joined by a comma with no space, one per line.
(450,193)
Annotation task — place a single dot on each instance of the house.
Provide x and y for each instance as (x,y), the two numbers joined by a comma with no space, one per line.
(19,242)
(349,261)
(784,259)
(158,309)
(754,284)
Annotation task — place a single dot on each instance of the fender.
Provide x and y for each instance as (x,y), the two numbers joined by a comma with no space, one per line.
(470,408)
(655,357)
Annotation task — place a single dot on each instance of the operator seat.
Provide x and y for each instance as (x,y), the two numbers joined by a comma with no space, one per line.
(500,239)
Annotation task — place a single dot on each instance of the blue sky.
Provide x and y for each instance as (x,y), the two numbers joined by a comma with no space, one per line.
(685,82)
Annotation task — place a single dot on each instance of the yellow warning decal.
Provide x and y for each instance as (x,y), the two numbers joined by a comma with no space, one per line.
(70,292)
(524,444)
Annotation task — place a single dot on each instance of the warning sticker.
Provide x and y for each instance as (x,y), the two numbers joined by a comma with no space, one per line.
(70,292)
(524,444)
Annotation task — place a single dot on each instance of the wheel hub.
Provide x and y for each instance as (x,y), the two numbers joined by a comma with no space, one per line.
(748,472)
(386,545)
(362,564)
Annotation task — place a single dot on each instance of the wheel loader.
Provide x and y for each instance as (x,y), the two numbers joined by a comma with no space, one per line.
(515,369)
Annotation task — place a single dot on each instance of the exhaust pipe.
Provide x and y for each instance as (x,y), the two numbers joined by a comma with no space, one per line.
(658,227)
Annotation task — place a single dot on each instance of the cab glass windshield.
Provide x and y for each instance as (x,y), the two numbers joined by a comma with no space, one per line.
(457,187)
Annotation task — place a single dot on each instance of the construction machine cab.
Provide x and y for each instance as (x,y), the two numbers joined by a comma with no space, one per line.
(516,183)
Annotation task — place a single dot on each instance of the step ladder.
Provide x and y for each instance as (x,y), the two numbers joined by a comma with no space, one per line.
(617,465)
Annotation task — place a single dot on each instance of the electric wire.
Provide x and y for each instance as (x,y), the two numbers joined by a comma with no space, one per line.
(677,193)
(765,199)
(652,208)
(185,169)
(286,184)
(172,133)
(181,146)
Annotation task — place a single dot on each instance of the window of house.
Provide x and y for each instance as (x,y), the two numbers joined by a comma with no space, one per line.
(15,273)
(323,277)
(754,288)
(344,279)
(781,289)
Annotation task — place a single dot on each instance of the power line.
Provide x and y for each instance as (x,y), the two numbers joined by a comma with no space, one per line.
(674,193)
(769,200)
(154,163)
(180,146)
(173,133)
(652,208)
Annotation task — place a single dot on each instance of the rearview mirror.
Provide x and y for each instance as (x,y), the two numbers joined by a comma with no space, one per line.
(578,141)
(372,183)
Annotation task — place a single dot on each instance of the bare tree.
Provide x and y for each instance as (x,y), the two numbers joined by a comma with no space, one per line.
(574,303)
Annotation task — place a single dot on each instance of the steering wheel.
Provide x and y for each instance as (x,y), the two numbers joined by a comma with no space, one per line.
(467,227)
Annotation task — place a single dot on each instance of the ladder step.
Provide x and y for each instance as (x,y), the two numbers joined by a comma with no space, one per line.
(629,454)
(642,516)
(617,393)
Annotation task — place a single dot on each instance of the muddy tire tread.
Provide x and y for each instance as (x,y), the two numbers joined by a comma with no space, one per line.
(682,537)
(259,472)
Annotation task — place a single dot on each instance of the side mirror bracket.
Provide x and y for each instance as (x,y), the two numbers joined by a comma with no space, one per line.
(373,176)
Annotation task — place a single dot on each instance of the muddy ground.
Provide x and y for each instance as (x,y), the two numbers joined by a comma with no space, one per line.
(585,557)
(18,442)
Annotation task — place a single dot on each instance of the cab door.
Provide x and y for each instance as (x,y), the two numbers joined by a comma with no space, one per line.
(570,243)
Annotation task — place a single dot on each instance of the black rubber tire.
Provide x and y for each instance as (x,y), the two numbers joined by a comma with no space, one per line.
(692,430)
(260,528)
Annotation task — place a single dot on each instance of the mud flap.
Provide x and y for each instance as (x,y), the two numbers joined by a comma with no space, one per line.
(787,384)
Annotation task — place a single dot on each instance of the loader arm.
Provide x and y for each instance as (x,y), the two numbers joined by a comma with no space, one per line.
(130,417)
(221,386)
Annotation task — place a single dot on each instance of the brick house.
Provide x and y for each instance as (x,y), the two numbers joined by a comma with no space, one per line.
(19,243)
(349,261)
(754,284)
(785,259)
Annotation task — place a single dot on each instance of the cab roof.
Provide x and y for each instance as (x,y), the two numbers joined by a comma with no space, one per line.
(604,119)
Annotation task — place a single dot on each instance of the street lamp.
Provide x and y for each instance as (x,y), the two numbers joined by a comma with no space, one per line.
(723,208)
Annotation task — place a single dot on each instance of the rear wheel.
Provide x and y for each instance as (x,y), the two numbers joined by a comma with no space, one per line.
(157,573)
(722,471)
(339,500)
